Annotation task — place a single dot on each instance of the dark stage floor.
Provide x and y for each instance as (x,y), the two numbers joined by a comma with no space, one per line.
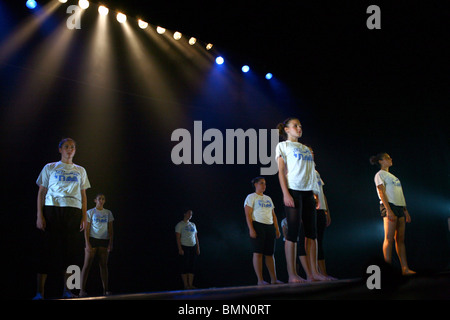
(419,287)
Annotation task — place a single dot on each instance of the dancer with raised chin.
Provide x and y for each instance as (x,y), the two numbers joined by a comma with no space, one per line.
(298,182)
(393,210)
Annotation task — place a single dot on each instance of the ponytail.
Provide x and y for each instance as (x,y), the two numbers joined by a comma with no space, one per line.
(374,159)
(283,125)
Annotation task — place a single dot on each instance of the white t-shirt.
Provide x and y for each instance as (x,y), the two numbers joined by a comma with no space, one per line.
(99,222)
(187,231)
(394,191)
(323,204)
(262,207)
(64,183)
(300,166)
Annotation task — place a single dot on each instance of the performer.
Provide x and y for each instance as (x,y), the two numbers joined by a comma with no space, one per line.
(298,181)
(188,248)
(61,215)
(323,221)
(393,210)
(263,229)
(98,237)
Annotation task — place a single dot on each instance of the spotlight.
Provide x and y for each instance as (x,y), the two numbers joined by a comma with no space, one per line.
(142,24)
(160,30)
(31,4)
(269,76)
(83,4)
(192,41)
(219,60)
(177,35)
(63,1)
(103,10)
(245,69)
(209,46)
(121,17)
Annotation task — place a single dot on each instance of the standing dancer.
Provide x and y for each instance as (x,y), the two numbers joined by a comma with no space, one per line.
(188,248)
(323,221)
(61,215)
(98,237)
(298,181)
(263,229)
(393,210)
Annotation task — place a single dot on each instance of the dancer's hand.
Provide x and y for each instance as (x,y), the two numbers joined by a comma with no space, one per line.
(391,216)
(288,201)
(407,216)
(40,222)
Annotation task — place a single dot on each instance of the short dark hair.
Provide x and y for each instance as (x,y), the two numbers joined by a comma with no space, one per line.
(256,180)
(61,143)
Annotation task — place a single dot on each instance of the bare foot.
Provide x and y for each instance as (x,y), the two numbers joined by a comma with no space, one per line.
(408,272)
(319,277)
(296,279)
(277,282)
(262,283)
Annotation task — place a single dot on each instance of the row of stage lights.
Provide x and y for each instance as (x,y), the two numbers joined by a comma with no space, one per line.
(122,18)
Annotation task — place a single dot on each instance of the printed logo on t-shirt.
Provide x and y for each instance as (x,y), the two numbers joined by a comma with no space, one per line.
(303,154)
(100,219)
(264,203)
(62,175)
(396,182)
(189,228)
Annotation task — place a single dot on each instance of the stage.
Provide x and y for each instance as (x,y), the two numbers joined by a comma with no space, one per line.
(418,287)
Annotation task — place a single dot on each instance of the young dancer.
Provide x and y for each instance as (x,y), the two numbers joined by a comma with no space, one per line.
(298,181)
(99,241)
(188,248)
(263,229)
(393,210)
(323,221)
(61,215)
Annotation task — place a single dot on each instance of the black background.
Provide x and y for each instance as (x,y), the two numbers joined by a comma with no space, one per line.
(356,91)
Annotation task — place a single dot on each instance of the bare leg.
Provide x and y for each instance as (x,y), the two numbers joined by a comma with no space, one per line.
(184,277)
(290,249)
(40,279)
(389,233)
(88,258)
(257,265)
(311,256)
(305,265)
(270,263)
(190,279)
(103,264)
(400,246)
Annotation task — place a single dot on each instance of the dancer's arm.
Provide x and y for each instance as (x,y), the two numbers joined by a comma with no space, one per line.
(287,198)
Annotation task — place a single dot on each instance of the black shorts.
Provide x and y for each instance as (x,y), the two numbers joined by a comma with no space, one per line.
(95,243)
(187,260)
(264,242)
(398,210)
(62,241)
